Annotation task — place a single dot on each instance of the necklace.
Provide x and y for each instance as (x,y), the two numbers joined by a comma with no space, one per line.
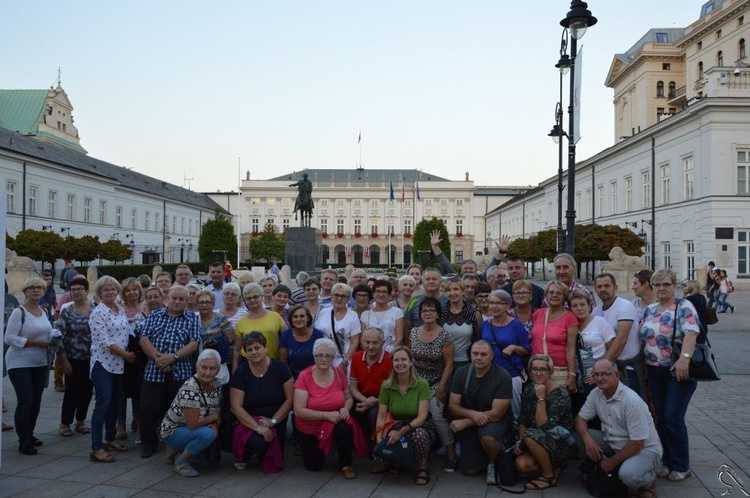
(265,368)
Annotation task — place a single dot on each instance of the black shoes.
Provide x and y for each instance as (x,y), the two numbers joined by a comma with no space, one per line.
(38,442)
(148,451)
(27,449)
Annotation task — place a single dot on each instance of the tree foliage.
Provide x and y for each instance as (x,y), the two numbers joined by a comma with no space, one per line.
(39,245)
(114,250)
(422,239)
(217,235)
(269,245)
(544,244)
(84,249)
(9,241)
(521,249)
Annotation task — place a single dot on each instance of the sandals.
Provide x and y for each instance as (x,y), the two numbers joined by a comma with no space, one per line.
(65,430)
(541,482)
(7,427)
(81,428)
(423,477)
(122,432)
(185,469)
(115,446)
(380,468)
(348,472)
(101,456)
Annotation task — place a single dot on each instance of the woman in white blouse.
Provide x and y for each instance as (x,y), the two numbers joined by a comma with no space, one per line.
(110,332)
(28,335)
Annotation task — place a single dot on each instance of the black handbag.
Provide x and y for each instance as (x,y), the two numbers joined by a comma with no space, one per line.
(702,363)
(604,485)
(400,453)
(506,473)
(711,316)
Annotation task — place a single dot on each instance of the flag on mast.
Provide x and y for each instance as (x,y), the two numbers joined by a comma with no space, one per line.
(359,138)
(403,193)
(418,197)
(392,196)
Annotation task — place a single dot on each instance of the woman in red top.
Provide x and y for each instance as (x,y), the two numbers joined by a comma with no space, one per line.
(554,334)
(322,403)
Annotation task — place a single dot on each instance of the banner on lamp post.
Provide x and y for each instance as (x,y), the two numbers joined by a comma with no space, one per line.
(577,96)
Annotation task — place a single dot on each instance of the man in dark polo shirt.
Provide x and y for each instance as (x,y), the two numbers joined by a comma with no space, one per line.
(368,371)
(482,416)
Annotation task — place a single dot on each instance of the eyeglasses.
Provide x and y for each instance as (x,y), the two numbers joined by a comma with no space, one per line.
(322,356)
(498,303)
(597,375)
(341,296)
(522,294)
(78,289)
(482,296)
(362,295)
(205,303)
(539,370)
(36,287)
(661,285)
(555,293)
(381,291)
(429,310)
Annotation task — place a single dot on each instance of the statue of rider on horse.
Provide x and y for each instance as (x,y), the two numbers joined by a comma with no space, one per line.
(304,202)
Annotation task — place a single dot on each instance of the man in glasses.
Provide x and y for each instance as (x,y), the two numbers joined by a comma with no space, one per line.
(628,436)
(622,317)
(517,271)
(182,275)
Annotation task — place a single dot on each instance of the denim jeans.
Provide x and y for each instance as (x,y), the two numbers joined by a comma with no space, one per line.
(722,301)
(671,399)
(28,383)
(194,441)
(107,387)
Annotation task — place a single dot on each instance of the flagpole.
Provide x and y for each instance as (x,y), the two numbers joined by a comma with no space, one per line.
(239,208)
(359,141)
(401,221)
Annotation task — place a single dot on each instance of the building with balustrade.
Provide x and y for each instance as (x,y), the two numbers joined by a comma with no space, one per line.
(360,224)
(679,172)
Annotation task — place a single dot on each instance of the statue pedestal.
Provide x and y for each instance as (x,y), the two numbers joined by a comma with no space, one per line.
(302,252)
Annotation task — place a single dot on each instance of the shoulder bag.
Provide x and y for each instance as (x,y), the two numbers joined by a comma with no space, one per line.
(702,363)
(604,485)
(559,375)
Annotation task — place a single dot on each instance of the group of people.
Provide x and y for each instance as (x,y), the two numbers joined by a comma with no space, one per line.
(488,360)
(718,288)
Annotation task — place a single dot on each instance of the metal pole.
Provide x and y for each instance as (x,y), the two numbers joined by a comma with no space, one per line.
(570,214)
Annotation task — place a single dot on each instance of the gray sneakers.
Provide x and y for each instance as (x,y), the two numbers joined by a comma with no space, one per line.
(491,474)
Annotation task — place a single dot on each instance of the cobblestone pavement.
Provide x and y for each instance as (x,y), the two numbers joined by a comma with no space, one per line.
(718,423)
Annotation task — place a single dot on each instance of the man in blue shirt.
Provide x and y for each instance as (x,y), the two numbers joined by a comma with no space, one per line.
(170,337)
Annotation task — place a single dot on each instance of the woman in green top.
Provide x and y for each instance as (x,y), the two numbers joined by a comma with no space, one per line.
(406,397)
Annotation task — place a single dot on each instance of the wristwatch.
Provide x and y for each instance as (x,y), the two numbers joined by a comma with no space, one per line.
(685,355)
(177,357)
(273,421)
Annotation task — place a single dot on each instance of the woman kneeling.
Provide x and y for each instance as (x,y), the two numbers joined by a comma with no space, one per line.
(192,422)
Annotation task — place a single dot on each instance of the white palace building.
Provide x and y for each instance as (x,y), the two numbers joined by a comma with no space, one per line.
(679,173)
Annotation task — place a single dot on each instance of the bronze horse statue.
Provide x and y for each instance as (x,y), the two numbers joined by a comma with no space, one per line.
(304,203)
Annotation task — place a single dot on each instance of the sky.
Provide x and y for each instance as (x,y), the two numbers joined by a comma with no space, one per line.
(198,93)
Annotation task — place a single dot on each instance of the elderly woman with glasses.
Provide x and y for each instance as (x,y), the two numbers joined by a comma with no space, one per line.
(192,422)
(523,309)
(387,318)
(362,298)
(341,325)
(261,393)
(28,335)
(322,404)
(432,348)
(671,387)
(216,330)
(509,341)
(554,333)
(231,297)
(258,319)
(545,428)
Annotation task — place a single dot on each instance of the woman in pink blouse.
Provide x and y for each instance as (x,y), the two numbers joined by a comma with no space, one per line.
(554,334)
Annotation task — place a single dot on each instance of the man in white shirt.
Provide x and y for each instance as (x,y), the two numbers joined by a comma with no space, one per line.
(623,318)
(216,276)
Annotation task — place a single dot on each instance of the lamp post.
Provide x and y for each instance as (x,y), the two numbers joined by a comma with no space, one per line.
(563,65)
(645,240)
(578,19)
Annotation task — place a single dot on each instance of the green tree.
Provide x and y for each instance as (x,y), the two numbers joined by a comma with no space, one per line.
(268,245)
(522,249)
(422,239)
(84,249)
(39,245)
(217,235)
(544,244)
(115,251)
(9,241)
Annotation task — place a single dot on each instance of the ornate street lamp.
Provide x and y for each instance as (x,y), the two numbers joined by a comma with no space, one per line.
(579,18)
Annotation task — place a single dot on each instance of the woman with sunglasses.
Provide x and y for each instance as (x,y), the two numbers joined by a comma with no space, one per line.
(341,325)
(671,387)
(545,428)
(554,334)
